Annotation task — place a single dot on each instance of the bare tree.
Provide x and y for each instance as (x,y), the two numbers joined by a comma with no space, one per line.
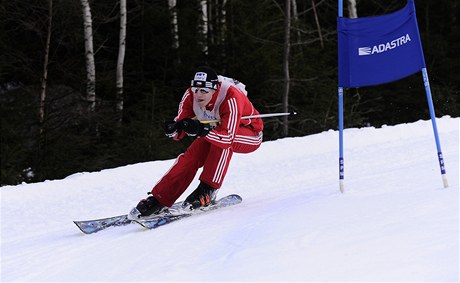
(175,26)
(352,12)
(295,17)
(121,59)
(89,53)
(212,27)
(204,26)
(221,7)
(287,47)
(223,22)
(45,65)
(318,26)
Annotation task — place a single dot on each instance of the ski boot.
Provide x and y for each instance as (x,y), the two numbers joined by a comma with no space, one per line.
(202,196)
(147,208)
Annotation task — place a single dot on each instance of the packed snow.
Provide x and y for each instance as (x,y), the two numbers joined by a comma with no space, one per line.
(395,221)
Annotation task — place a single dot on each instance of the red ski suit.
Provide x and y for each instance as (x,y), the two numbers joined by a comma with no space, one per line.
(214,151)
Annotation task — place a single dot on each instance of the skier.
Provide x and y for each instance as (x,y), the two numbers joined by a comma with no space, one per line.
(209,97)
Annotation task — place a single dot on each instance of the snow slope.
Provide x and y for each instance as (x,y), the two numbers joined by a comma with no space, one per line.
(395,221)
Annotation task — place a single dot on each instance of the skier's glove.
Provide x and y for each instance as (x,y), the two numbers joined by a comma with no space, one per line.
(194,127)
(171,128)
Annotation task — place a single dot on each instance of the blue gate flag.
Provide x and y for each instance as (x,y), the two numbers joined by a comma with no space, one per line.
(379,49)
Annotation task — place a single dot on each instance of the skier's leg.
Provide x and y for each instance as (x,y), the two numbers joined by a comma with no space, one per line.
(216,166)
(245,141)
(178,178)
(214,170)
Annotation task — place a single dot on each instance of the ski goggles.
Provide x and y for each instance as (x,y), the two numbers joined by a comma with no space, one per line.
(203,90)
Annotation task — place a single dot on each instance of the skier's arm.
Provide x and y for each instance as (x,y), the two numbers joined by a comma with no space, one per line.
(185,106)
(230,115)
(185,111)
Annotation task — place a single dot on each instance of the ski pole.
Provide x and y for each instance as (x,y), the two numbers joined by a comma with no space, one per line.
(254,116)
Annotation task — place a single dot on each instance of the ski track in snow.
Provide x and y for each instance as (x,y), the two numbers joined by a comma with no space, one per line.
(395,221)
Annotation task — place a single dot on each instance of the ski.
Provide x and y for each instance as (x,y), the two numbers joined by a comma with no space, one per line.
(167,218)
(93,226)
(174,213)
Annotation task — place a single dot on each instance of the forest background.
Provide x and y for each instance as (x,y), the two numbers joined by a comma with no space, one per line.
(58,119)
